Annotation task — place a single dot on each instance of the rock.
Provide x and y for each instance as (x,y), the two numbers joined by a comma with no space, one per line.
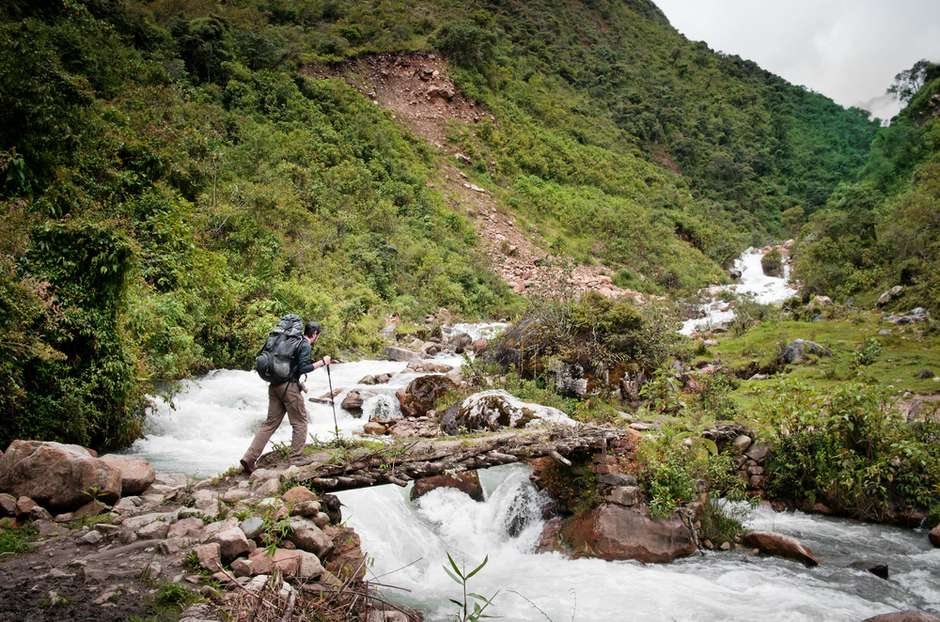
(234,495)
(879,570)
(925,374)
(780,545)
(373,427)
(352,402)
(48,529)
(429,367)
(623,495)
(615,532)
(915,315)
(25,506)
(252,527)
(127,504)
(92,537)
(346,560)
(394,353)
(422,393)
(308,537)
(92,508)
(741,443)
(910,615)
(460,340)
(934,535)
(7,505)
(136,474)
(375,379)
(440,92)
(570,380)
(491,410)
(616,479)
(479,347)
(758,452)
(467,482)
(798,350)
(424,427)
(820,301)
(136,522)
(207,502)
(285,560)
(185,527)
(156,530)
(550,538)
(297,495)
(388,615)
(310,566)
(890,295)
(306,508)
(382,409)
(57,476)
(321,519)
(232,543)
(241,567)
(209,556)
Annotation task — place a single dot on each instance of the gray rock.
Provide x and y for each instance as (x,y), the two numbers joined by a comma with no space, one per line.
(92,537)
(7,505)
(616,479)
(234,495)
(890,295)
(232,543)
(307,536)
(798,350)
(394,353)
(127,504)
(207,502)
(48,529)
(209,556)
(310,566)
(156,530)
(741,443)
(624,495)
(758,452)
(251,526)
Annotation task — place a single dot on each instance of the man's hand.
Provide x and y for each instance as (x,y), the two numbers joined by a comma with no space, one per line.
(327,360)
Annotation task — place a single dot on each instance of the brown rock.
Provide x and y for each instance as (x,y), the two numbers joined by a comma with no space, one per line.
(467,482)
(310,566)
(57,476)
(298,495)
(373,427)
(209,556)
(136,474)
(287,561)
(624,495)
(232,543)
(910,615)
(306,535)
(352,402)
(781,546)
(346,559)
(241,568)
(550,539)
(185,527)
(92,508)
(615,532)
(421,394)
(934,535)
(7,505)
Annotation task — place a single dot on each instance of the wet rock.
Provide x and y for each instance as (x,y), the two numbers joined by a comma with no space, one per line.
(799,350)
(136,474)
(429,367)
(382,409)
(57,476)
(232,543)
(910,615)
(879,570)
(612,532)
(297,495)
(780,545)
(209,556)
(460,341)
(375,379)
(308,537)
(889,295)
(352,402)
(491,410)
(467,482)
(394,353)
(550,538)
(422,393)
(934,535)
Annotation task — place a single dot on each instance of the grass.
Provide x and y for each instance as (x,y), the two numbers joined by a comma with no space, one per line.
(904,353)
(16,540)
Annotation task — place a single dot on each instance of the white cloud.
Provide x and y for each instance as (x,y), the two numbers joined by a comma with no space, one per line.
(849,50)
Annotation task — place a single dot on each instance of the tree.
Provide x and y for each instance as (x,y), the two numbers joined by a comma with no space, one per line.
(909,81)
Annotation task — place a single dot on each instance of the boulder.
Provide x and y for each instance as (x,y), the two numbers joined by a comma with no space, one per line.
(308,537)
(346,560)
(623,495)
(127,504)
(209,556)
(352,402)
(741,443)
(297,495)
(799,350)
(910,615)
(286,560)
(460,342)
(401,355)
(422,393)
(57,476)
(491,410)
(780,545)
(375,379)
(382,409)
(934,535)
(915,315)
(185,527)
(550,538)
(373,427)
(467,482)
(612,532)
(252,526)
(232,543)
(429,367)
(7,505)
(136,474)
(890,295)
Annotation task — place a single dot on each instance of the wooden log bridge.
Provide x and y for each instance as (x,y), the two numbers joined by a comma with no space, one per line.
(342,468)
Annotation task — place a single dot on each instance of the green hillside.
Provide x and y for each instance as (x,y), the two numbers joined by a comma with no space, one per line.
(171,184)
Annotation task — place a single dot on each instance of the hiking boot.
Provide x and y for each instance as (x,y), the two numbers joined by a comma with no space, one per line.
(247,467)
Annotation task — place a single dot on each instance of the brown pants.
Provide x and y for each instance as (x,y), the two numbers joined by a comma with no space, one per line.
(281,398)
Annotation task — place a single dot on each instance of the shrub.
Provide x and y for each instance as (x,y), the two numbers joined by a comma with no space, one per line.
(466,43)
(772,263)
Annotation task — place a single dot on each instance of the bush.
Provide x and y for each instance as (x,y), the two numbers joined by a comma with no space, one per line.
(466,43)
(772,263)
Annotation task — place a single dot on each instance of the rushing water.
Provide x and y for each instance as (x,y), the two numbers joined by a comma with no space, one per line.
(716,586)
(209,422)
(753,282)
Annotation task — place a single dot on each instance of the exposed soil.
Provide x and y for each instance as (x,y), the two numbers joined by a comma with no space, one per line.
(417,90)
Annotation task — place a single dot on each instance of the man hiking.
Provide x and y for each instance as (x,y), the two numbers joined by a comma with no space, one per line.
(284,358)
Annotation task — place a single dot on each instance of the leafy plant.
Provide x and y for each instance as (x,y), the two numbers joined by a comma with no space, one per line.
(472,606)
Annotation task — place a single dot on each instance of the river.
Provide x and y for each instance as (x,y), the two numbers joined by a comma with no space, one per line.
(210,421)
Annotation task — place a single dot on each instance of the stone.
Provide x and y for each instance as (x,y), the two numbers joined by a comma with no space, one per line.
(799,350)
(207,502)
(352,402)
(615,532)
(741,443)
(263,474)
(388,615)
(234,495)
(7,505)
(758,452)
(429,367)
(479,347)
(126,505)
(879,570)
(92,508)
(218,526)
(185,527)
(310,566)
(375,379)
(467,482)
(297,495)
(307,536)
(267,488)
(242,567)
(375,428)
(550,538)
(252,527)
(624,495)
(424,427)
(779,545)
(910,615)
(156,530)
(890,295)
(24,506)
(209,556)
(401,355)
(305,508)
(136,522)
(287,561)
(346,560)
(934,535)
(65,517)
(491,410)
(915,315)
(49,529)
(136,474)
(232,543)
(321,519)
(57,476)
(422,393)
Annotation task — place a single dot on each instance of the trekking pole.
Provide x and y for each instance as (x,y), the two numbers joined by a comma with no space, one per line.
(329,379)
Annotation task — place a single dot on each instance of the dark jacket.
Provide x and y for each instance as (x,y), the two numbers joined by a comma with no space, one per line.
(302,363)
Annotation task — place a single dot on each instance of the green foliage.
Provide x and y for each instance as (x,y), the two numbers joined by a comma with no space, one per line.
(850,450)
(175,595)
(722,522)
(772,263)
(472,607)
(466,42)
(868,353)
(16,540)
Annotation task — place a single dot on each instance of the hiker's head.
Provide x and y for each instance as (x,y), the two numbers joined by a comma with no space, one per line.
(312,331)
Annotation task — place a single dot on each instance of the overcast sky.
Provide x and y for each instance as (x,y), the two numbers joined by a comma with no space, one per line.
(849,50)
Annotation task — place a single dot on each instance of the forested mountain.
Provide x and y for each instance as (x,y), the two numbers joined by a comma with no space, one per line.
(174,178)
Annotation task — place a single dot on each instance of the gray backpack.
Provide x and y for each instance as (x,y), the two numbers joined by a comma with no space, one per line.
(275,361)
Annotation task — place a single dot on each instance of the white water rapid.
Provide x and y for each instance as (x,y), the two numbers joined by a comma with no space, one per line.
(753,282)
(716,586)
